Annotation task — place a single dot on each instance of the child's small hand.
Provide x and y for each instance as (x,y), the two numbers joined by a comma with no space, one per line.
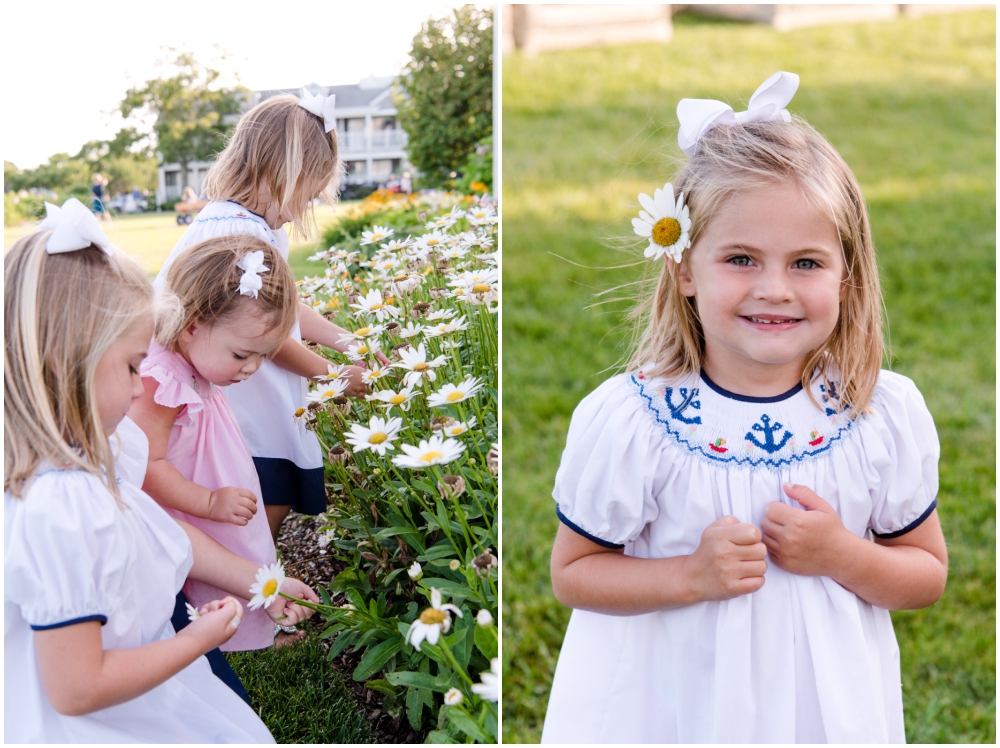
(382,358)
(218,622)
(289,613)
(356,386)
(802,542)
(234,505)
(730,560)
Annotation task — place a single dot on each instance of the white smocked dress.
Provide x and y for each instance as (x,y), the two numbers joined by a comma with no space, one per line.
(648,467)
(72,555)
(287,456)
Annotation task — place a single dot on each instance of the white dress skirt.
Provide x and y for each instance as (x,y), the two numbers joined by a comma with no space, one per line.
(72,555)
(287,456)
(648,467)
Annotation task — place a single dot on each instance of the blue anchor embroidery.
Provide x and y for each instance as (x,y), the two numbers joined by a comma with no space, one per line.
(768,430)
(687,400)
(832,395)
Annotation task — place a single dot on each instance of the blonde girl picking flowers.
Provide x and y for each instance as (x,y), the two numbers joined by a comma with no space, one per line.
(282,155)
(227,306)
(741,509)
(91,563)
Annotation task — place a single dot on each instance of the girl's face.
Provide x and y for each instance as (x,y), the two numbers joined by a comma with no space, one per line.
(768,277)
(231,349)
(117,380)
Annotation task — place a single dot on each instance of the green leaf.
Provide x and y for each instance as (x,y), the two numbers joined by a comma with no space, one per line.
(342,642)
(335,629)
(467,724)
(439,736)
(420,680)
(441,550)
(376,657)
(414,706)
(486,640)
(381,686)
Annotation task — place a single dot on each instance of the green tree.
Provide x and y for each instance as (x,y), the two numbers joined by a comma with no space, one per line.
(192,110)
(445,99)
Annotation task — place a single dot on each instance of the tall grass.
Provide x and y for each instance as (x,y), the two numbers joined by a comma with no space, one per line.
(911,106)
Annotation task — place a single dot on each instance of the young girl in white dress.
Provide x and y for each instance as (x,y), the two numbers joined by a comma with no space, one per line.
(741,509)
(91,564)
(281,157)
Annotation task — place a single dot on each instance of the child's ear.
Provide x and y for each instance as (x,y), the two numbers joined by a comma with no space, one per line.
(187,334)
(684,279)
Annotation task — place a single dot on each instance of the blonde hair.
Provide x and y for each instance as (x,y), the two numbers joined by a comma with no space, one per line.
(737,158)
(284,146)
(61,314)
(202,285)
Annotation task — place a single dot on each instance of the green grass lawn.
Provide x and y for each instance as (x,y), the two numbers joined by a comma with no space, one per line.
(911,106)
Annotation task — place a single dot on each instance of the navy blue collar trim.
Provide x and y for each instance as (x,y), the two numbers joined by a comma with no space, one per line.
(252,213)
(746,398)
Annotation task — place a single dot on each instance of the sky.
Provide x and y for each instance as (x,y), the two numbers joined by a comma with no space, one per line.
(67,65)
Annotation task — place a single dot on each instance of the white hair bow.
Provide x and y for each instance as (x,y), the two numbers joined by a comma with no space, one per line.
(321,106)
(73,227)
(698,116)
(253,266)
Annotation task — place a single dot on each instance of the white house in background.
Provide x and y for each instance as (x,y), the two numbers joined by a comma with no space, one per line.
(372,144)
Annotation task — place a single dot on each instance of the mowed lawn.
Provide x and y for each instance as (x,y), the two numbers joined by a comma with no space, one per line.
(149,237)
(911,106)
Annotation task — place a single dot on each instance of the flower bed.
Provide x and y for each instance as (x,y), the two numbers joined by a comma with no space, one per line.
(411,469)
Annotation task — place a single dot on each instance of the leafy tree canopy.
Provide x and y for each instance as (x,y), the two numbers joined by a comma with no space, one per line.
(445,100)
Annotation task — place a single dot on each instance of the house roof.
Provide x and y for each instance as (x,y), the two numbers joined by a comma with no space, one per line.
(371,92)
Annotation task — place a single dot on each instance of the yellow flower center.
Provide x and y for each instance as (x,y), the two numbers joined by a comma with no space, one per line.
(377,438)
(667,231)
(329,393)
(362,349)
(431,456)
(432,615)
(375,373)
(373,307)
(454,397)
(432,242)
(480,288)
(422,366)
(363,332)
(459,291)
(299,412)
(397,399)
(270,587)
(400,278)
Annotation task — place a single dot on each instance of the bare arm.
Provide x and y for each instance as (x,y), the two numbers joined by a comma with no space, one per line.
(80,676)
(317,328)
(166,484)
(729,562)
(901,573)
(296,358)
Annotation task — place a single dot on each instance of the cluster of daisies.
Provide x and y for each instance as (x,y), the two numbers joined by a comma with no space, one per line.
(422,299)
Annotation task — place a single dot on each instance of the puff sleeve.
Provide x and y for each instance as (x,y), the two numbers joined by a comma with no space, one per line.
(171,392)
(906,461)
(66,557)
(610,471)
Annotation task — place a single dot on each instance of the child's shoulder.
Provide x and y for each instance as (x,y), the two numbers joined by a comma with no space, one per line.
(67,497)
(223,217)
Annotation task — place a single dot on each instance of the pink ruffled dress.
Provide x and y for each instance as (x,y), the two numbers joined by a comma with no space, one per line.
(207,447)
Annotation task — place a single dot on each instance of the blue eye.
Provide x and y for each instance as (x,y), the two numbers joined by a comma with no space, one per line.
(805,264)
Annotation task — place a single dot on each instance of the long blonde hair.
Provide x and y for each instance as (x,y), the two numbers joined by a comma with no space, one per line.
(61,314)
(283,145)
(735,158)
(202,283)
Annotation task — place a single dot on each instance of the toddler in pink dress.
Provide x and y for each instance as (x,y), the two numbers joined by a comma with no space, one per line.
(229,304)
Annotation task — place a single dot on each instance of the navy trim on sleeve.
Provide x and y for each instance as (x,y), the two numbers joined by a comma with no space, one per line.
(580,531)
(61,624)
(912,526)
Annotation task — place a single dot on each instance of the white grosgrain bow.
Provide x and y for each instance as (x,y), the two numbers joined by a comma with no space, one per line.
(73,227)
(321,106)
(698,116)
(253,266)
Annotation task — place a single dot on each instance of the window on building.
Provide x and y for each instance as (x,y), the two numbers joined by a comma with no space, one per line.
(383,123)
(354,124)
(355,168)
(170,178)
(381,169)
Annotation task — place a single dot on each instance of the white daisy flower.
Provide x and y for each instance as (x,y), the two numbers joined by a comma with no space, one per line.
(265,589)
(441,314)
(418,365)
(434,451)
(303,415)
(430,242)
(377,436)
(450,394)
(453,697)
(432,622)
(665,223)
(373,303)
(362,349)
(459,427)
(374,374)
(328,391)
(446,328)
(415,571)
(489,688)
(490,276)
(397,245)
(193,614)
(325,539)
(392,398)
(377,234)
(385,264)
(363,332)
(484,617)
(333,372)
(411,330)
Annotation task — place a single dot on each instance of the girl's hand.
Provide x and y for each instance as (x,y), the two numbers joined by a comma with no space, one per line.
(234,505)
(382,358)
(800,542)
(356,386)
(217,624)
(289,613)
(729,562)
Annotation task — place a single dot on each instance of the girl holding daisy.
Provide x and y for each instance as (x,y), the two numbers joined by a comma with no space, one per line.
(228,304)
(282,155)
(741,509)
(91,563)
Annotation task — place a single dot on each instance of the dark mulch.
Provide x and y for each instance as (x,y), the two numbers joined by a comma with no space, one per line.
(305,560)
